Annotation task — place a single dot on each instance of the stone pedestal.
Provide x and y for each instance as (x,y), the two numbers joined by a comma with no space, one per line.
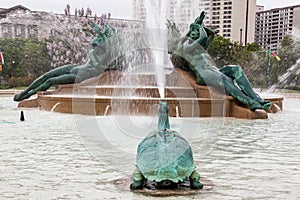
(114,92)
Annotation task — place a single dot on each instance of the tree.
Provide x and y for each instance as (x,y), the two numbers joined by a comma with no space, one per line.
(35,58)
(250,57)
(25,59)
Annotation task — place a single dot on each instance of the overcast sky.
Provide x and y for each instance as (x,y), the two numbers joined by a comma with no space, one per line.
(118,8)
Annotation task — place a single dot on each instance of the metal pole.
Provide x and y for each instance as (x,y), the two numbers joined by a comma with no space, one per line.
(241,36)
(268,65)
(246,30)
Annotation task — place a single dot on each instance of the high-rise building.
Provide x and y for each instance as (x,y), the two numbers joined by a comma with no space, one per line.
(273,25)
(233,19)
(180,11)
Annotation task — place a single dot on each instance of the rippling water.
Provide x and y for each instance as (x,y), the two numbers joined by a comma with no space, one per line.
(59,156)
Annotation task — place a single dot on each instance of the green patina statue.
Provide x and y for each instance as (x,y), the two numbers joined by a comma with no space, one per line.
(164,158)
(190,54)
(98,62)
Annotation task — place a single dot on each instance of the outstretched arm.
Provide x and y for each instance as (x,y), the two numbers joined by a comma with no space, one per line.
(199,20)
(196,44)
(96,28)
(209,39)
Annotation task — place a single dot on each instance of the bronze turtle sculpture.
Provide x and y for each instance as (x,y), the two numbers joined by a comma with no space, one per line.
(165,157)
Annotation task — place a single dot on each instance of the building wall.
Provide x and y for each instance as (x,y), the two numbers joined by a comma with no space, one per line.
(33,24)
(228,17)
(273,25)
(180,11)
(243,22)
(225,17)
(296,20)
(23,24)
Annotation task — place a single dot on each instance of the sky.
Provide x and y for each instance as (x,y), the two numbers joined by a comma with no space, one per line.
(118,8)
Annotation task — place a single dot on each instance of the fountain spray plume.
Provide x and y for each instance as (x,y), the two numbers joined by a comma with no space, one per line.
(157,38)
(293,72)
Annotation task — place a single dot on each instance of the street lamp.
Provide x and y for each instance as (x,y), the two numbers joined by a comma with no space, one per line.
(230,45)
(241,36)
(269,63)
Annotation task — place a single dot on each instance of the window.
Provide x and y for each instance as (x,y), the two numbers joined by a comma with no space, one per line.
(18,31)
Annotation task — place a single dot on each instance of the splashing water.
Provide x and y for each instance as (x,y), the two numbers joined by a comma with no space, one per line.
(292,70)
(106,110)
(286,77)
(156,18)
(54,107)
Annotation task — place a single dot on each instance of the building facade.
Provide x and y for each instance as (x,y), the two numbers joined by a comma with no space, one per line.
(273,25)
(233,19)
(182,12)
(20,22)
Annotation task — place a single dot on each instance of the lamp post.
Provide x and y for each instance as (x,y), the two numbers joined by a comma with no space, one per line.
(246,26)
(268,64)
(230,46)
(241,36)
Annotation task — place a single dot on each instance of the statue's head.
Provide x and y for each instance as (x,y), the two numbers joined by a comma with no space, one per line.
(194,31)
(198,31)
(98,41)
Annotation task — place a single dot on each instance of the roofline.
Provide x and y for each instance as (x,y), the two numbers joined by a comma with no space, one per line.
(6,10)
(273,9)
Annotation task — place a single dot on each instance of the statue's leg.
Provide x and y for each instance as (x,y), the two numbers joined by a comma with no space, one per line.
(234,91)
(42,79)
(236,73)
(217,79)
(195,180)
(138,180)
(63,79)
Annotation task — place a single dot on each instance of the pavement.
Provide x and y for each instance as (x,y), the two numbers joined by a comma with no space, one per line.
(8,92)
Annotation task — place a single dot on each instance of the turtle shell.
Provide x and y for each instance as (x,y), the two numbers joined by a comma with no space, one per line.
(165,155)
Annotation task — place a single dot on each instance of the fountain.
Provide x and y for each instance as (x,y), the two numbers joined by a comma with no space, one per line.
(287,77)
(131,83)
(47,159)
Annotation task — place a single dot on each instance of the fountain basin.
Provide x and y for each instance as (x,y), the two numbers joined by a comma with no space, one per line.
(185,97)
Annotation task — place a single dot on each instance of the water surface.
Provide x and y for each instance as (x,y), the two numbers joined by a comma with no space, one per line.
(49,156)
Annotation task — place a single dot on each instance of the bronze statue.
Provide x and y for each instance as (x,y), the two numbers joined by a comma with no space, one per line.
(98,62)
(191,54)
(164,158)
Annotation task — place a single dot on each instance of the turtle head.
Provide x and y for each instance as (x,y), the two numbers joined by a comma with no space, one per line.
(163,116)
(167,184)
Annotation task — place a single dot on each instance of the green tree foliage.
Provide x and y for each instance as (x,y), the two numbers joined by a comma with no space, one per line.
(254,60)
(250,57)
(219,50)
(25,59)
(36,60)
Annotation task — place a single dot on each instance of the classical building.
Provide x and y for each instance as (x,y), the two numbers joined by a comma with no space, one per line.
(20,22)
(233,19)
(273,25)
(13,27)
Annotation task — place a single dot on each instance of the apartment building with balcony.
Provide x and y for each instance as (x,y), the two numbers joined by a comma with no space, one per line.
(233,19)
(273,25)
(182,12)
